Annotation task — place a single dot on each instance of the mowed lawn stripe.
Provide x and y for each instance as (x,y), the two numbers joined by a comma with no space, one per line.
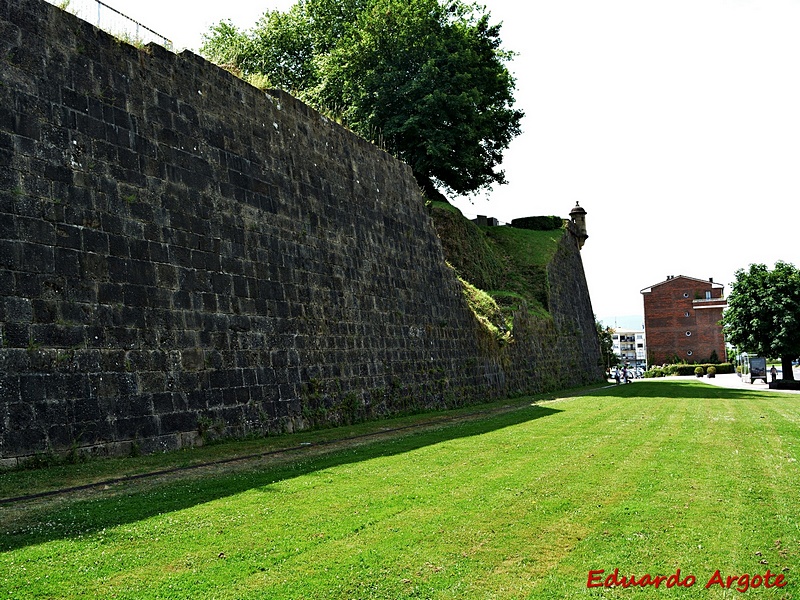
(646,478)
(700,505)
(512,476)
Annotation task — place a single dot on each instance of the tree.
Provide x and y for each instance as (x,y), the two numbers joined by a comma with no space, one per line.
(605,336)
(427,81)
(763,314)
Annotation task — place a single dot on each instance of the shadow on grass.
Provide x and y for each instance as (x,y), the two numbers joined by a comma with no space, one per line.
(72,518)
(676,390)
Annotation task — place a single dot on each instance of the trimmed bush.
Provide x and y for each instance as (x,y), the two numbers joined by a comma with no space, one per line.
(538,223)
(682,370)
(699,371)
(687,370)
(654,372)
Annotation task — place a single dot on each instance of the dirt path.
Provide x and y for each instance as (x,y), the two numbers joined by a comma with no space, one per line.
(111,485)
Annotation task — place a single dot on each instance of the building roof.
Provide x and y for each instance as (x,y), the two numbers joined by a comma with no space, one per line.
(626,330)
(578,210)
(671,278)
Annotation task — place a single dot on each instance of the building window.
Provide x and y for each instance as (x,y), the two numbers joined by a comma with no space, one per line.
(689,352)
(688,333)
(685,294)
(686,314)
(708,295)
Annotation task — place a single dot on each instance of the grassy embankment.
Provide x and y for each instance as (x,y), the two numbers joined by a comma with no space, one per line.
(503,268)
(521,502)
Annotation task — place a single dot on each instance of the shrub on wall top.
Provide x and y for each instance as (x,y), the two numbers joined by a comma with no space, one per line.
(538,223)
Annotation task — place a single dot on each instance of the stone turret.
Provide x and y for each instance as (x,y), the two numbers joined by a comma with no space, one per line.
(578,216)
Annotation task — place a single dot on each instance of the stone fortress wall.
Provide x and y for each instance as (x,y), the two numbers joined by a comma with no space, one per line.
(183,255)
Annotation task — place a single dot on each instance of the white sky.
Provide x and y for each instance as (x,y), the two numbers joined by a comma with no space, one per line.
(674,123)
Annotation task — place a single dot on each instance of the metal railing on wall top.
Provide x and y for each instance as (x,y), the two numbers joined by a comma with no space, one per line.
(112,21)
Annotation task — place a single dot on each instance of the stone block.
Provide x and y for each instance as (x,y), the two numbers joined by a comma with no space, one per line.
(17,309)
(10,390)
(60,435)
(179,421)
(10,254)
(67,263)
(164,404)
(193,359)
(141,428)
(95,241)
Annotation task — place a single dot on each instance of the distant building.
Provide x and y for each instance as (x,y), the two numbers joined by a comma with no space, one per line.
(682,320)
(630,346)
(484,221)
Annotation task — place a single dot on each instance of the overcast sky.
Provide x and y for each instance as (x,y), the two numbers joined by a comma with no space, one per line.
(674,123)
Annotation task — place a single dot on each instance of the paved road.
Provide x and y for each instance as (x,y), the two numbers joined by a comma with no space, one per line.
(732,380)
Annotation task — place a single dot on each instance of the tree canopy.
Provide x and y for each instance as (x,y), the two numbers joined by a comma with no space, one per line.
(763,314)
(605,335)
(427,81)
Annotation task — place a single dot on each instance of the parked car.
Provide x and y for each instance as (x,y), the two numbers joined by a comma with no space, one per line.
(633,372)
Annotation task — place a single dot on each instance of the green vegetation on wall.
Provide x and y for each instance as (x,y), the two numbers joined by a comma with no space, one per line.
(467,248)
(508,263)
(487,310)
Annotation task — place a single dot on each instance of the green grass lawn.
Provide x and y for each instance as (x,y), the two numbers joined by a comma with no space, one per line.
(645,478)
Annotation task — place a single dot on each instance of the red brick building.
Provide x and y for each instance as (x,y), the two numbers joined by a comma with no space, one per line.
(682,320)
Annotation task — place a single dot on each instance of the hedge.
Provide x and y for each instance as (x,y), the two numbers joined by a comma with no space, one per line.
(538,223)
(686,370)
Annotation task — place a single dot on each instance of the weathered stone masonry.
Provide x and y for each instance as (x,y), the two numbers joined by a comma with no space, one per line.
(180,252)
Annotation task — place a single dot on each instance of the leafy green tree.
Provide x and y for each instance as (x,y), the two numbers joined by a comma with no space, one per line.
(763,314)
(426,80)
(605,336)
